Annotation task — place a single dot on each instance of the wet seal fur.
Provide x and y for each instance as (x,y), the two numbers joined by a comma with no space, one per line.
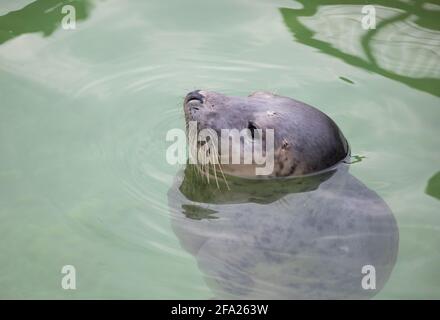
(286,237)
(306,139)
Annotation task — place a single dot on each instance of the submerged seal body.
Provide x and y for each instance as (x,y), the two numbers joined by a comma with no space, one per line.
(288,238)
(305,139)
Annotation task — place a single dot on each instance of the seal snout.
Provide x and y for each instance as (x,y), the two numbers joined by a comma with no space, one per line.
(194,96)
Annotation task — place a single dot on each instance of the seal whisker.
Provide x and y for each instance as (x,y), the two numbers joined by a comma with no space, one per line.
(215,175)
(201,171)
(220,167)
(213,156)
(205,168)
(207,172)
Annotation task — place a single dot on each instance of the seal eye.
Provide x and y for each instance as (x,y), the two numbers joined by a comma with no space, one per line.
(252,128)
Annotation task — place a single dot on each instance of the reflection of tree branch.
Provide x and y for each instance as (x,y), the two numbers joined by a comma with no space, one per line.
(304,35)
(40,16)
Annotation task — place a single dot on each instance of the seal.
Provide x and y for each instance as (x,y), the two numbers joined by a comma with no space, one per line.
(320,234)
(305,139)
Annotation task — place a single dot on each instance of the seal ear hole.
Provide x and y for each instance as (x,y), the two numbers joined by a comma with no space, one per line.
(252,128)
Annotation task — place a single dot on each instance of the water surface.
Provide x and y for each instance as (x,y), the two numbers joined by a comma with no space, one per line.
(84,114)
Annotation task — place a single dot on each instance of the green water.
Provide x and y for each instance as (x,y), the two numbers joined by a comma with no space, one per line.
(84,114)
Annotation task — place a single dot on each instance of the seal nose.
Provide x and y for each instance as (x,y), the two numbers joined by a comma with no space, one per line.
(195,95)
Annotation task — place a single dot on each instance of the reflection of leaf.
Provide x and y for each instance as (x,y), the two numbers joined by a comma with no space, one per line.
(346,80)
(355,159)
(433,187)
(198,213)
(425,19)
(39,16)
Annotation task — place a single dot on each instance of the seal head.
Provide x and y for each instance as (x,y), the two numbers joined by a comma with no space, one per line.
(305,139)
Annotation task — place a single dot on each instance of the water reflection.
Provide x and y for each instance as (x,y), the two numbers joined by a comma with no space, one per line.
(404,46)
(285,238)
(433,187)
(40,16)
